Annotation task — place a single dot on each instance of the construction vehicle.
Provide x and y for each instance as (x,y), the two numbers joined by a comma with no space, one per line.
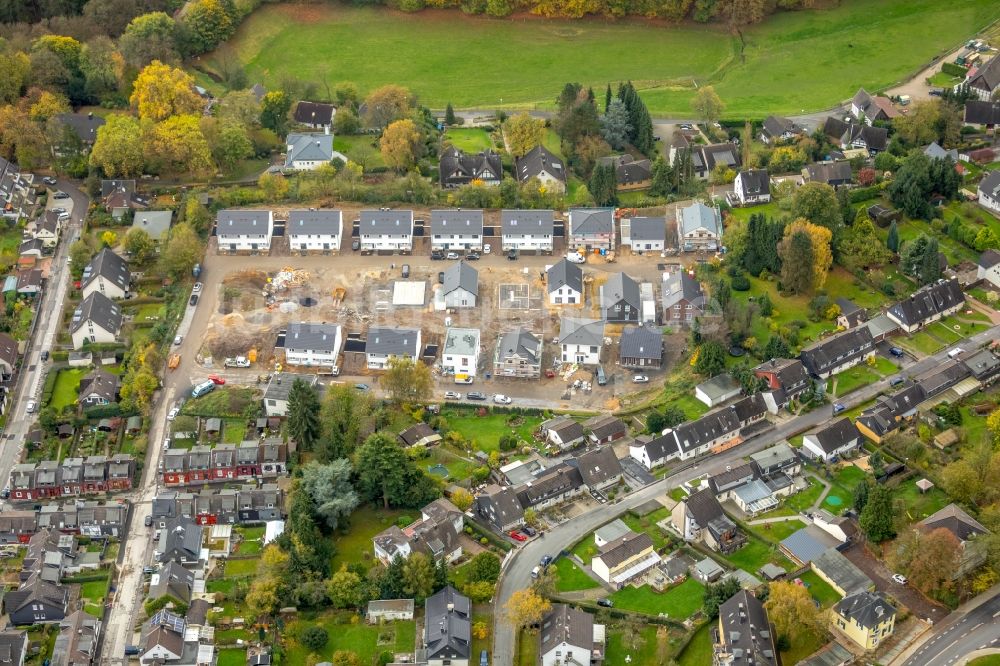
(338,296)
(174,361)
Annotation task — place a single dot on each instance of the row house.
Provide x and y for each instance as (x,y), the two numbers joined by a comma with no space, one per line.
(928,304)
(838,352)
(386,230)
(317,230)
(457,230)
(786,380)
(75,476)
(527,230)
(244,230)
(224,463)
(227,506)
(86,518)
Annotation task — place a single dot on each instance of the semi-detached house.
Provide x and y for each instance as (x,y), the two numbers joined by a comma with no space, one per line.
(564,281)
(244,230)
(518,354)
(384,344)
(457,230)
(312,344)
(97,319)
(314,230)
(386,230)
(591,228)
(838,353)
(108,274)
(527,230)
(927,305)
(645,234)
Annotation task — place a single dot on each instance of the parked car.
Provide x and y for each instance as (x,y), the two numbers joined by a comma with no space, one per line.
(131,650)
(406,271)
(60,195)
(899,578)
(575,258)
(502,399)
(238,362)
(437,255)
(193,300)
(536,572)
(32,406)
(546,560)
(838,408)
(451,256)
(49,180)
(58,210)
(440,277)
(202,389)
(511,255)
(896,381)
(149,520)
(452,395)
(640,379)
(530,531)
(487,248)
(484,660)
(178,339)
(605,603)
(896,351)
(472,256)
(45,354)
(475,395)
(216,379)
(173,413)
(361,387)
(517,536)
(602,378)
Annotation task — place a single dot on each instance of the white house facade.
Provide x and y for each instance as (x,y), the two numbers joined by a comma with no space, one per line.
(314,230)
(386,230)
(527,230)
(311,344)
(244,230)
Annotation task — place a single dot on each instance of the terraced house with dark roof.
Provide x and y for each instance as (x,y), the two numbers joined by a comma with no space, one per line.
(460,230)
(244,230)
(838,352)
(527,230)
(312,344)
(317,230)
(927,305)
(386,230)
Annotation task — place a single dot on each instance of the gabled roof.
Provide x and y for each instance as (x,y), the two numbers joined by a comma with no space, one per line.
(627,168)
(746,631)
(388,222)
(311,336)
(836,350)
(566,625)
(936,152)
(990,185)
(29,278)
(313,147)
(703,507)
(868,609)
(117,186)
(928,302)
(987,77)
(527,222)
(84,125)
(507,504)
(101,383)
(12,646)
(720,153)
(679,286)
(8,349)
(320,222)
(447,625)
(591,221)
(599,466)
(836,435)
(239,222)
(954,519)
(459,222)
(521,342)
(829,172)
(647,229)
(566,428)
(620,287)
(314,113)
(110,266)
(699,216)
(537,160)
(99,309)
(624,548)
(641,342)
(458,166)
(461,275)
(842,571)
(980,112)
(564,274)
(392,341)
(755,182)
(577,331)
(551,483)
(709,427)
(775,126)
(989,259)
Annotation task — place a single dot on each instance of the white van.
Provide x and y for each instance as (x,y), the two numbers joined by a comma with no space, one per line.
(536,572)
(955,352)
(203,388)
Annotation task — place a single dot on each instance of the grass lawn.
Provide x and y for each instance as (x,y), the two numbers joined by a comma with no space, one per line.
(355,544)
(220,585)
(571,577)
(885,367)
(777,532)
(842,487)
(482,613)
(361,639)
(232,657)
(698,651)
(786,309)
(241,568)
(648,525)
(67,386)
(94,590)
(231,401)
(778,70)
(942,80)
(458,467)
(678,602)
(854,378)
(919,505)
(756,554)
(586,550)
(485,431)
(820,590)
(355,145)
(988,660)
(469,140)
(923,342)
(251,532)
(642,646)
(527,648)
(803,644)
(234,431)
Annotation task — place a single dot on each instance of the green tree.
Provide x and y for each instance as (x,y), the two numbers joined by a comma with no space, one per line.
(329,488)
(877,517)
(449,115)
(817,202)
(615,127)
(860,248)
(303,414)
(711,359)
(344,415)
(345,589)
(274,108)
(182,251)
(418,576)
(485,567)
(407,381)
(861,495)
(912,186)
(797,258)
(892,240)
(707,104)
(150,37)
(314,638)
(384,472)
(776,347)
(208,23)
(401,144)
(233,143)
(602,185)
(79,256)
(523,133)
(139,245)
(661,184)
(717,594)
(118,148)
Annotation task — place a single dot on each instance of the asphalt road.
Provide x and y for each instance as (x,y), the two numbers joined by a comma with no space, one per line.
(517,573)
(976,629)
(46,328)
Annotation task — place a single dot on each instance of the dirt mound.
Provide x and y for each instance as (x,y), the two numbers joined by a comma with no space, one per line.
(253,279)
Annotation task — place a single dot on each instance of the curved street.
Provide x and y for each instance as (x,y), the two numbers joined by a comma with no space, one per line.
(976,629)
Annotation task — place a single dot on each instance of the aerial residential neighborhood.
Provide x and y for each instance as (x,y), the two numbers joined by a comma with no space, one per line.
(400,353)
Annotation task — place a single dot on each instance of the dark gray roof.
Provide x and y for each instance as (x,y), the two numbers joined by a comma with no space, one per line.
(31,245)
(627,168)
(756,182)
(775,126)
(311,336)
(987,77)
(281,384)
(641,342)
(314,113)
(836,435)
(598,466)
(568,429)
(704,507)
(990,185)
(927,302)
(577,331)
(625,547)
(521,342)
(591,221)
(551,483)
(835,566)
(868,609)
(100,382)
(980,112)
(397,341)
(564,273)
(173,580)
(565,624)
(830,172)
(954,519)
(99,309)
(378,222)
(320,222)
(620,287)
(85,125)
(648,228)
(527,222)
(836,350)
(447,625)
(112,186)
(537,160)
(461,274)
(990,258)
(417,432)
(8,349)
(12,646)
(711,426)
(311,146)
(720,153)
(237,222)
(110,266)
(457,167)
(746,631)
(749,407)
(461,222)
(182,539)
(678,286)
(808,543)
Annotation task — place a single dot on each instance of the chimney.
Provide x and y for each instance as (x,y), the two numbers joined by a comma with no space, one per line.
(451,607)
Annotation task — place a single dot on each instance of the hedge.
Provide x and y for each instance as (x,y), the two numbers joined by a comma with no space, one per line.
(954,69)
(865,193)
(490,536)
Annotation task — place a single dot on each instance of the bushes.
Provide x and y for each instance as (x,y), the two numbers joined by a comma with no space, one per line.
(865,193)
(953,69)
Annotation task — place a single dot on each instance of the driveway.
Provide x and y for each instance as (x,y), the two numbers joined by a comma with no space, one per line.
(875,569)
